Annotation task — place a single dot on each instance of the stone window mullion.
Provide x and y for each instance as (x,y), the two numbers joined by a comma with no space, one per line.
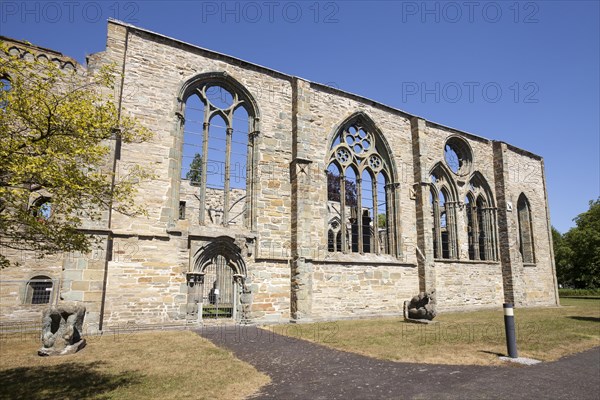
(375,216)
(229,134)
(437,237)
(469,221)
(343,226)
(252,170)
(492,234)
(249,169)
(475,230)
(451,228)
(359,213)
(396,217)
(488,235)
(388,218)
(482,232)
(205,129)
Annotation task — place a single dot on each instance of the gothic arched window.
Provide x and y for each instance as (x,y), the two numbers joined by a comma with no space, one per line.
(471,214)
(526,246)
(359,190)
(443,209)
(41,208)
(334,235)
(218,151)
(481,220)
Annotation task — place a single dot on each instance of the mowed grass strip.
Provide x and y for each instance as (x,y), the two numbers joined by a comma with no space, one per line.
(150,365)
(463,338)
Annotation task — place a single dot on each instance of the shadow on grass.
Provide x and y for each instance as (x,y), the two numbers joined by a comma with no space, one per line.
(492,353)
(64,381)
(592,319)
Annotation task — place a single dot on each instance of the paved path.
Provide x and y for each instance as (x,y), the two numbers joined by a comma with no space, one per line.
(304,370)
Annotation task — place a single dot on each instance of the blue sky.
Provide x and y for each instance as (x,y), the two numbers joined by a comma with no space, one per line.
(524,72)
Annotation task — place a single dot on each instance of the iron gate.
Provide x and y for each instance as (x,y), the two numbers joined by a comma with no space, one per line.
(218,290)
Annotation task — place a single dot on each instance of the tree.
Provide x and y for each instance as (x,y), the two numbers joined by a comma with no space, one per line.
(57,128)
(577,252)
(334,189)
(562,258)
(584,243)
(195,172)
(381,221)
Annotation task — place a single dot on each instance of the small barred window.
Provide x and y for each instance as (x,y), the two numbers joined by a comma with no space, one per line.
(39,290)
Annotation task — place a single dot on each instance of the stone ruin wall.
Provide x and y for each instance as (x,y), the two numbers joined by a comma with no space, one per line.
(467,283)
(286,250)
(535,284)
(158,292)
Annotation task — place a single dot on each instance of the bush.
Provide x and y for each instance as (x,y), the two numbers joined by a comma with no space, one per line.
(578,292)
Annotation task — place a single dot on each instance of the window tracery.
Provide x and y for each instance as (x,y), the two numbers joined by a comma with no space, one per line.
(443,195)
(218,152)
(481,220)
(458,156)
(359,191)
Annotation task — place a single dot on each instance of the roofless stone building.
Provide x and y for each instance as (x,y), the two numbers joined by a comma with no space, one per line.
(280,199)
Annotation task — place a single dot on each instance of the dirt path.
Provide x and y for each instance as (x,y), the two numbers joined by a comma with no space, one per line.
(304,370)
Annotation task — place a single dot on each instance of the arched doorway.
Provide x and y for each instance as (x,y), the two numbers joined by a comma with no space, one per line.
(217,286)
(218,291)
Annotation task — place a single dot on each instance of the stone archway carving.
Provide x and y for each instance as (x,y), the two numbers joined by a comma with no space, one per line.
(216,258)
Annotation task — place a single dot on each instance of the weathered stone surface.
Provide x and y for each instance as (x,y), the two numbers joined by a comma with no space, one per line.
(62,330)
(422,306)
(140,273)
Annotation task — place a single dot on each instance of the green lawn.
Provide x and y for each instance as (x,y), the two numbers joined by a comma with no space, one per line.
(463,337)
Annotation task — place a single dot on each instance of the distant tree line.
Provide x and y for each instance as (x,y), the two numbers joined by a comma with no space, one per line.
(577,252)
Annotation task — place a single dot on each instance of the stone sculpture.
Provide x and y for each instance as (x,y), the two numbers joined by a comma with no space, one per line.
(62,329)
(421,307)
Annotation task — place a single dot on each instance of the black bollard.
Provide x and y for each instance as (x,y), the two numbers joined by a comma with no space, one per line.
(509,326)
